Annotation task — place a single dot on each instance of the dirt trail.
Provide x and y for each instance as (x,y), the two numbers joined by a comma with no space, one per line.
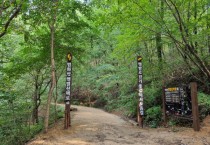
(95,127)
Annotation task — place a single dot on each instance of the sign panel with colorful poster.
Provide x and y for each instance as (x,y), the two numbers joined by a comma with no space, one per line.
(182,102)
(178,101)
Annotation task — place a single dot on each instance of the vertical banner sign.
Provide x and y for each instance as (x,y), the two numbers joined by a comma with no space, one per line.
(140,86)
(68,91)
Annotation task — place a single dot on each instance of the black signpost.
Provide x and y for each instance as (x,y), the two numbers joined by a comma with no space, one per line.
(181,102)
(140,107)
(67,121)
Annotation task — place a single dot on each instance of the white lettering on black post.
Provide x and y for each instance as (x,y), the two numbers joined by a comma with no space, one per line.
(140,86)
(68,79)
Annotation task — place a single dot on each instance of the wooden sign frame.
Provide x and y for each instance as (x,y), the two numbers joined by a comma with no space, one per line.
(194,104)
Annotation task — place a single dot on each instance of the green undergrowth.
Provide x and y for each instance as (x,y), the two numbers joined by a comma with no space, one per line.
(127,104)
(153,116)
(56,112)
(16,134)
(204,104)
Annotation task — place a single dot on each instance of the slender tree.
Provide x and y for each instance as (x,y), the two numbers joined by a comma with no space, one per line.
(53,75)
(159,43)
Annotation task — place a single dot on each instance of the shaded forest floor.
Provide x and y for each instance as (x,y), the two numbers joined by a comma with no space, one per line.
(92,126)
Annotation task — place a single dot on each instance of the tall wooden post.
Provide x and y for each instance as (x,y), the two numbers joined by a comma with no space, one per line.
(67,120)
(195,114)
(140,107)
(139,117)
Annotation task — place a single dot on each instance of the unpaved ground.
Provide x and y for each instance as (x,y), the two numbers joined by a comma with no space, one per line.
(95,127)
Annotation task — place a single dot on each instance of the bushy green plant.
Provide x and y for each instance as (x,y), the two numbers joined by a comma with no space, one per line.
(153,116)
(100,102)
(204,104)
(128,104)
(16,133)
(111,105)
(56,113)
(152,95)
(172,122)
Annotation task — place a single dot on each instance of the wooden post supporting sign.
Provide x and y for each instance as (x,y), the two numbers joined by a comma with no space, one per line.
(67,121)
(195,114)
(182,102)
(164,105)
(140,106)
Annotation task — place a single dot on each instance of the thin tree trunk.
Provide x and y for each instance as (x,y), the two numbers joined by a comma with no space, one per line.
(183,31)
(35,99)
(55,100)
(159,44)
(53,82)
(148,52)
(159,47)
(208,26)
(208,39)
(195,28)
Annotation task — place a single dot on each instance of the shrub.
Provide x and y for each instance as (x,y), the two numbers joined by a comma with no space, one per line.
(204,104)
(128,104)
(153,116)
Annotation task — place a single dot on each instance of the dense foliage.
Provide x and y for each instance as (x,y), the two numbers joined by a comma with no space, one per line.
(105,37)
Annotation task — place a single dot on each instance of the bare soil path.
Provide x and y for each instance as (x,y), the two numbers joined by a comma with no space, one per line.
(95,127)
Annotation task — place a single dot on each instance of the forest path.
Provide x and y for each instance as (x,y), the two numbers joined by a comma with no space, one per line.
(92,126)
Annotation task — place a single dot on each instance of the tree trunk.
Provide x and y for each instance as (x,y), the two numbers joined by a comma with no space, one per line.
(55,100)
(159,44)
(35,99)
(53,82)
(208,26)
(195,28)
(159,47)
(189,48)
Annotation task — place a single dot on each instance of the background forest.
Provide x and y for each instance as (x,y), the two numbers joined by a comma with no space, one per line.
(105,38)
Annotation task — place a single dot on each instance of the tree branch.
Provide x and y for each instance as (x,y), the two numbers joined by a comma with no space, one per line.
(40,93)
(9,20)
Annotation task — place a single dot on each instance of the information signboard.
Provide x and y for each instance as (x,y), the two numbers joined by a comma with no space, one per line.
(182,102)
(178,101)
